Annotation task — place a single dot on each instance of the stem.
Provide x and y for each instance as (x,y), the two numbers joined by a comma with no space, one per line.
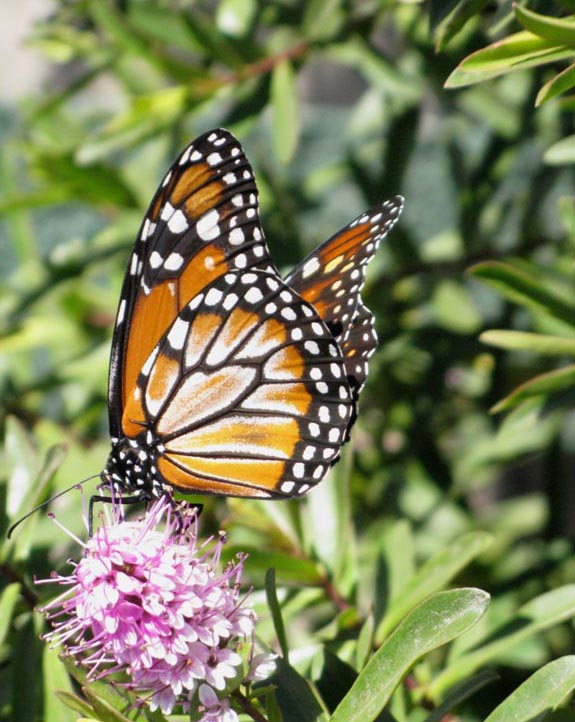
(334,595)
(248,707)
(12,575)
(265,65)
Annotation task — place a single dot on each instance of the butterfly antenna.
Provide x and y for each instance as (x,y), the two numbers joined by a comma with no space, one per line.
(77,485)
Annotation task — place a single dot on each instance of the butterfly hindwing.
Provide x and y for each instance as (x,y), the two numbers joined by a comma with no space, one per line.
(202,223)
(245,394)
(331,279)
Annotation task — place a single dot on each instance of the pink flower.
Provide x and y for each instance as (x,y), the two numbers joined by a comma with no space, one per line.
(146,600)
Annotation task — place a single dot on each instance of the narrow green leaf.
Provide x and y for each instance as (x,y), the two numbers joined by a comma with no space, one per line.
(294,695)
(560,31)
(538,695)
(562,152)
(273,710)
(273,604)
(364,642)
(460,693)
(286,567)
(526,290)
(398,550)
(115,25)
(448,29)
(75,703)
(538,614)
(535,342)
(55,678)
(436,621)
(432,576)
(21,465)
(285,111)
(518,51)
(322,19)
(560,83)
(542,385)
(8,601)
(105,710)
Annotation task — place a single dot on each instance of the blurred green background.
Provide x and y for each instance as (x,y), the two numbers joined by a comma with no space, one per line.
(338,105)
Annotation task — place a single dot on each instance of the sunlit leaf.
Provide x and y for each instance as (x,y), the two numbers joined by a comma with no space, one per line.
(560,83)
(522,288)
(285,111)
(436,621)
(432,576)
(562,152)
(532,342)
(560,31)
(542,692)
(540,613)
(519,51)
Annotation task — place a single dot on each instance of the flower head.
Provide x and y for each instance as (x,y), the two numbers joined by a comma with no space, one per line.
(146,600)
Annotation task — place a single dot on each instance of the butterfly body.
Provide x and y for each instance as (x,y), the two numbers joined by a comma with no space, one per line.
(224,377)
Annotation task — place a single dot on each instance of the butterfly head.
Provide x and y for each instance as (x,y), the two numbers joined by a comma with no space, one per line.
(132,467)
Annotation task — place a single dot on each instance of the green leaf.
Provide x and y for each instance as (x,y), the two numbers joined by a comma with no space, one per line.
(460,693)
(541,693)
(285,111)
(235,17)
(21,465)
(543,385)
(322,19)
(518,51)
(8,600)
(436,621)
(294,695)
(55,679)
(454,309)
(287,567)
(75,703)
(534,342)
(538,614)
(464,10)
(560,31)
(434,575)
(147,115)
(526,290)
(560,83)
(562,152)
(107,712)
(276,613)
(364,642)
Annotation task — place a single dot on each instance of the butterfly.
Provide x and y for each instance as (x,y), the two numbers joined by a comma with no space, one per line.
(225,378)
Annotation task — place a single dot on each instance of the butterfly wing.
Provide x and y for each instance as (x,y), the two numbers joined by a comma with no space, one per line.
(331,279)
(245,395)
(202,222)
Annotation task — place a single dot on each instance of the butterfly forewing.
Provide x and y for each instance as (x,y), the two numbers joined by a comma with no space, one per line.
(202,223)
(246,394)
(331,279)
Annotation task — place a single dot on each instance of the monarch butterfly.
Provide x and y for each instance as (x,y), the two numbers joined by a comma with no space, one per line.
(225,378)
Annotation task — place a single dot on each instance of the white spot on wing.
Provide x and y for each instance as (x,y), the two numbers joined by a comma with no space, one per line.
(178,223)
(213,297)
(167,211)
(236,236)
(177,334)
(310,267)
(121,311)
(155,260)
(207,226)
